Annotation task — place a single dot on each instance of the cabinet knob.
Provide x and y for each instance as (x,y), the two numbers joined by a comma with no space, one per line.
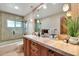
(33,50)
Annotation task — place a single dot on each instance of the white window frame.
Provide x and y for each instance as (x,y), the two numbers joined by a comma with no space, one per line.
(10,23)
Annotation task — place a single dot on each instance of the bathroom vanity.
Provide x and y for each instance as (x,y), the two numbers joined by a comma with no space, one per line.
(43,46)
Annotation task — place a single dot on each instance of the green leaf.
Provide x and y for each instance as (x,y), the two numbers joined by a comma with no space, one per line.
(73,26)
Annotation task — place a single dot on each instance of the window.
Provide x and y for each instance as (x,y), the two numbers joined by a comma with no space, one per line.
(18,24)
(10,23)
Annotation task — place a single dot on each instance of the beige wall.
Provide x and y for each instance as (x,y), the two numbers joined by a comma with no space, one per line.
(52,22)
(7,32)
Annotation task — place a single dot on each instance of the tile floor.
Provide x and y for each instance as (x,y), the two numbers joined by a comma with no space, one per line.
(13,53)
(11,49)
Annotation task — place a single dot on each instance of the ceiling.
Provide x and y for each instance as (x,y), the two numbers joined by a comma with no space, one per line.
(25,8)
(50,10)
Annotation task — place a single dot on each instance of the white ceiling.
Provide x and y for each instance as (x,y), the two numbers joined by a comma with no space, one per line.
(25,8)
(51,10)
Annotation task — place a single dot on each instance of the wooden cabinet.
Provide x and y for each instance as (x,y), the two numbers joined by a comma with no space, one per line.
(34,49)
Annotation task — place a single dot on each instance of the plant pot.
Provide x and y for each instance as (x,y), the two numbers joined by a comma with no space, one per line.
(74,40)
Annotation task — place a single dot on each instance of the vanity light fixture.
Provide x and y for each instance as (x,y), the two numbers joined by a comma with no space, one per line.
(65,7)
(16,7)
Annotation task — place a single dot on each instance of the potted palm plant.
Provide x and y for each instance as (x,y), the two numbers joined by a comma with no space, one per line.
(73,29)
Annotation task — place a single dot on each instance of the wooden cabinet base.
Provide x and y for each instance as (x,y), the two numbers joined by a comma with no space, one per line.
(33,49)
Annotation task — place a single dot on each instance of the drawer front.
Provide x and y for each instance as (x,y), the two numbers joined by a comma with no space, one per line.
(34,45)
(34,53)
(35,49)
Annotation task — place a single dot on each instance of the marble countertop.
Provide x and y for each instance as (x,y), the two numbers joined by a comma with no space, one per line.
(55,45)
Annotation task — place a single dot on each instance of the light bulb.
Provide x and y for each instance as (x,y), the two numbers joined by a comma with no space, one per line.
(16,7)
(44,6)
